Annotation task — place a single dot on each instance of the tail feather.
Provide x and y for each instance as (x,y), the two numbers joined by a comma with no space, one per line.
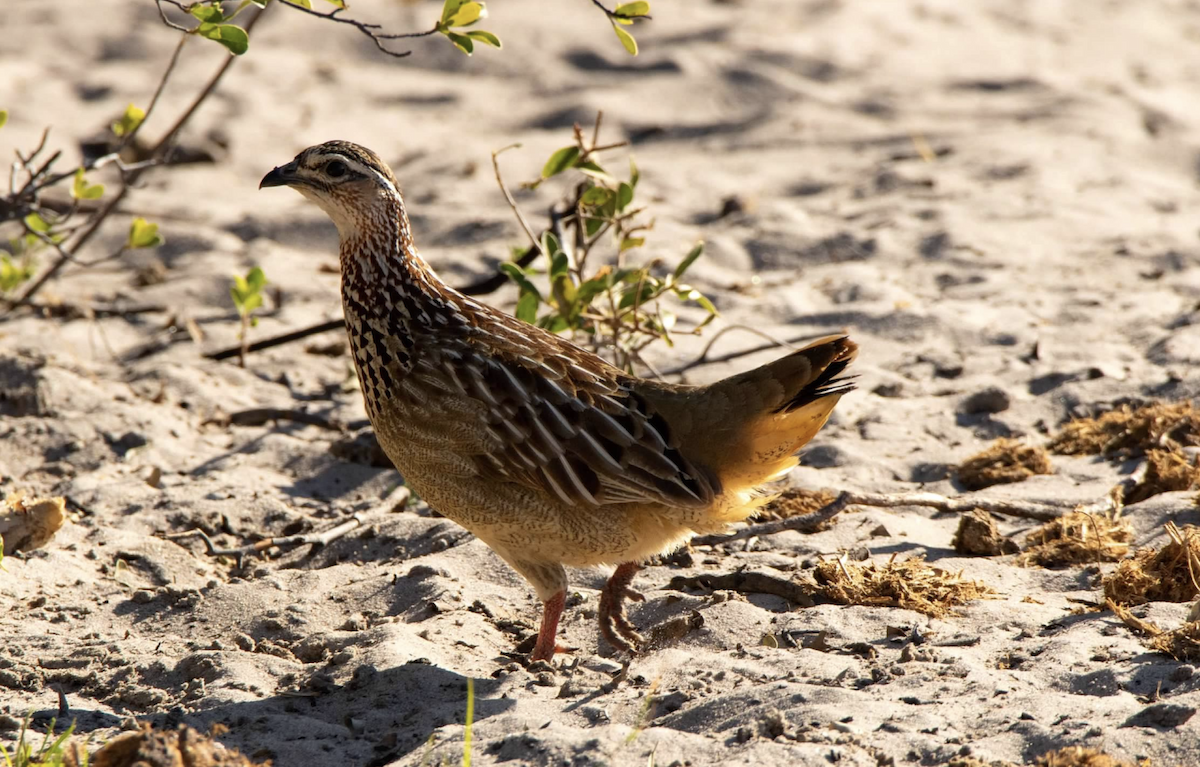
(766,416)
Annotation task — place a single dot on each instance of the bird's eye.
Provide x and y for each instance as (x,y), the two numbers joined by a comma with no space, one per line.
(335,169)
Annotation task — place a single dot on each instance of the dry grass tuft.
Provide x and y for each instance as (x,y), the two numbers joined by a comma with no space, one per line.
(1167,470)
(978,534)
(1170,574)
(1129,431)
(912,584)
(795,502)
(1078,756)
(1077,538)
(1005,461)
(1182,644)
(164,748)
(28,524)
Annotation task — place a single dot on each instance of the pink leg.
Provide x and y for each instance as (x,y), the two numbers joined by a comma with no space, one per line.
(615,627)
(547,643)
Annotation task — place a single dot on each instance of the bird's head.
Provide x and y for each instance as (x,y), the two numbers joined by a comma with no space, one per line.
(347,181)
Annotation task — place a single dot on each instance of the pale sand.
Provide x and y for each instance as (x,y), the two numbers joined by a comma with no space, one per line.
(1059,215)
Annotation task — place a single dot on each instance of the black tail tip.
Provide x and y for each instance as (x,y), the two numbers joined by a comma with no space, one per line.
(832,356)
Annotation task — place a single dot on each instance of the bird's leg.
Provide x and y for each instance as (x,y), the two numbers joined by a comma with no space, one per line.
(547,642)
(615,627)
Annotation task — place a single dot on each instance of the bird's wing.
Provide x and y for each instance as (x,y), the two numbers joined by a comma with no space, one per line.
(564,422)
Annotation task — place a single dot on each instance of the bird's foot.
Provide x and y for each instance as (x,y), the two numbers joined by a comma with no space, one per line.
(614,624)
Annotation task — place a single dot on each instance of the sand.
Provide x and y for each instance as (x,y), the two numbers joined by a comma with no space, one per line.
(1044,253)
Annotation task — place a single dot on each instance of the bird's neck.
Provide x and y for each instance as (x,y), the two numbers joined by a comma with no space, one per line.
(396,307)
(379,257)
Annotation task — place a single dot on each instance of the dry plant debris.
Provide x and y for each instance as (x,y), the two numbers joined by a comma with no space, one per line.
(29,524)
(912,584)
(1077,538)
(978,534)
(1182,644)
(1169,574)
(795,502)
(1007,460)
(1128,431)
(166,748)
(1167,470)
(1078,756)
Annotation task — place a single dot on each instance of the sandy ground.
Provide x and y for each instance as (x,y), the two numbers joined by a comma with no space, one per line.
(1050,249)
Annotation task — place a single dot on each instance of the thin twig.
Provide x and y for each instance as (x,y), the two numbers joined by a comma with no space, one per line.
(508,196)
(126,181)
(614,15)
(481,287)
(314,539)
(703,359)
(260,415)
(370,30)
(808,522)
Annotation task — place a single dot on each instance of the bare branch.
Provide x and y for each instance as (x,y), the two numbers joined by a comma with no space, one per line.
(808,522)
(372,31)
(614,15)
(508,196)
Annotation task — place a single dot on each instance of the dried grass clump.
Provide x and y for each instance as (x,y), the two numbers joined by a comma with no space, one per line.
(1077,538)
(912,584)
(1129,431)
(1167,470)
(1182,644)
(795,502)
(1170,574)
(1078,756)
(978,534)
(163,748)
(1007,460)
(29,523)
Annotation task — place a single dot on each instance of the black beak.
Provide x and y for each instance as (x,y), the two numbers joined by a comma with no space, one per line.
(284,175)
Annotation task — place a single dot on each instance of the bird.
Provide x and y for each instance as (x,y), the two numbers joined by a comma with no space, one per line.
(543,450)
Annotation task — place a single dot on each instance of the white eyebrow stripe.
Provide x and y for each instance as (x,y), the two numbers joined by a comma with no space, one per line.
(356,166)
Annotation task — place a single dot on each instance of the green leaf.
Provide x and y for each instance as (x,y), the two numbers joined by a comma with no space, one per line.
(256,279)
(555,323)
(626,40)
(231,36)
(143,234)
(689,259)
(516,275)
(462,42)
(629,243)
(467,14)
(338,3)
(302,3)
(595,171)
(450,8)
(597,195)
(634,176)
(559,161)
(37,223)
(592,288)
(13,274)
(208,14)
(4,116)
(527,306)
(632,10)
(129,121)
(624,195)
(82,190)
(485,37)
(639,296)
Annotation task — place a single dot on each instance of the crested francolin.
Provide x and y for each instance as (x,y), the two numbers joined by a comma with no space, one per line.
(543,450)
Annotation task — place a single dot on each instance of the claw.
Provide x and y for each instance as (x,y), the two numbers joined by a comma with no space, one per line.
(614,625)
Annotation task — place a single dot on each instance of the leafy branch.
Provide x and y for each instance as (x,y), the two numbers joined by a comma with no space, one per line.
(616,308)
(213,24)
